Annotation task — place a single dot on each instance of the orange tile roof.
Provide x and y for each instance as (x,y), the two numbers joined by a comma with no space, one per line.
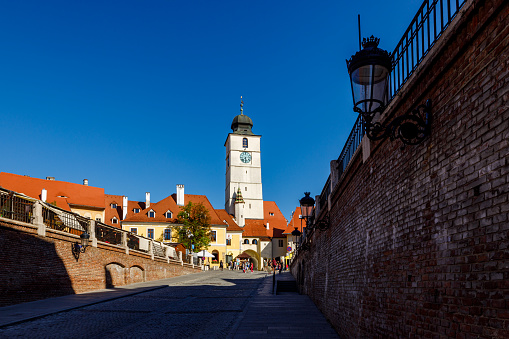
(232,225)
(109,212)
(258,227)
(62,192)
(295,222)
(169,204)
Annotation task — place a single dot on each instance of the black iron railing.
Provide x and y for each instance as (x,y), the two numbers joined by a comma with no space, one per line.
(15,207)
(351,145)
(61,220)
(429,23)
(108,234)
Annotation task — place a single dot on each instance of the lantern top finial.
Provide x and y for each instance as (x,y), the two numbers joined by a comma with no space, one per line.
(370,42)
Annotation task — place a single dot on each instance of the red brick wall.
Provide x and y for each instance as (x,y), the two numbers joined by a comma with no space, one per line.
(419,239)
(33,267)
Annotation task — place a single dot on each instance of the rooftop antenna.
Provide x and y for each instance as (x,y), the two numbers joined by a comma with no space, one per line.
(241,104)
(359,24)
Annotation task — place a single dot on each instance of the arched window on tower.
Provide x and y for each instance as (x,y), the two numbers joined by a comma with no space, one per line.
(244,142)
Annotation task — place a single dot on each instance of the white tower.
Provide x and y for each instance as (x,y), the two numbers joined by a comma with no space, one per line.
(243,168)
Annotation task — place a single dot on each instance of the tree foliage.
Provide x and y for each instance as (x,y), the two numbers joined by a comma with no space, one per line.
(194,226)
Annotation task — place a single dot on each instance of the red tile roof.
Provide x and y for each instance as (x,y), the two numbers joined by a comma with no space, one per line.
(272,216)
(109,212)
(169,204)
(62,192)
(232,225)
(295,222)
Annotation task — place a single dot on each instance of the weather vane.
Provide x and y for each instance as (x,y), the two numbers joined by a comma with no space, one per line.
(241,104)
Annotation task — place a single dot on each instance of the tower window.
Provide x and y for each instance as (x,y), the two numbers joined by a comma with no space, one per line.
(244,142)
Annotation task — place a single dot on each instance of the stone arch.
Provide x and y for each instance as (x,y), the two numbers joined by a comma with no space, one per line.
(135,274)
(255,259)
(114,273)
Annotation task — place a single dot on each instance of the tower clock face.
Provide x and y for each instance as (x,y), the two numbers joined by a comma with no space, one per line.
(245,157)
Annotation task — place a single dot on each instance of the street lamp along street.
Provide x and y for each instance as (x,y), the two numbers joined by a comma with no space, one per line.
(369,71)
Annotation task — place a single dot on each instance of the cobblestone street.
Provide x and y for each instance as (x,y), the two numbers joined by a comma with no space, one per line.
(200,305)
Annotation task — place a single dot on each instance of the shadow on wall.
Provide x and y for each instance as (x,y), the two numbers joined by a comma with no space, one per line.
(30,269)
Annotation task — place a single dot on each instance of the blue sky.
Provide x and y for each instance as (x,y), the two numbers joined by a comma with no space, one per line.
(138,96)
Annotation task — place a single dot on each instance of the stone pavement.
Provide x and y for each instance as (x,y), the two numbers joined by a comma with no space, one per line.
(285,315)
(210,304)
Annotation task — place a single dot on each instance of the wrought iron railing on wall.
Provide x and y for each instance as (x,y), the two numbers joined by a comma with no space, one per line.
(429,23)
(15,207)
(432,18)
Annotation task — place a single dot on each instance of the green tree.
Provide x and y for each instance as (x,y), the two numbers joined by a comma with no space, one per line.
(194,226)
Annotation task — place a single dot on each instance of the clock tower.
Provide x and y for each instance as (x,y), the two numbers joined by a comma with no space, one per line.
(243,169)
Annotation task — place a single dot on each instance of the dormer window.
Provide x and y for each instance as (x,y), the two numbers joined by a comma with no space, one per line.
(244,142)
(168,215)
(114,206)
(271,214)
(114,220)
(151,214)
(136,210)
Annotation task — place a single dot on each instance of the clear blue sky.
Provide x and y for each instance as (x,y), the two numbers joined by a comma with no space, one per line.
(138,96)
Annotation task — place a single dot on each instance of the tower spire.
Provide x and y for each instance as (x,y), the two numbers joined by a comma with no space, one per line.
(239,199)
(241,104)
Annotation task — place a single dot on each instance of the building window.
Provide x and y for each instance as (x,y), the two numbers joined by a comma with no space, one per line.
(114,206)
(280,242)
(136,210)
(244,142)
(255,242)
(150,233)
(114,220)
(168,214)
(98,219)
(213,236)
(246,188)
(215,253)
(134,230)
(151,214)
(228,242)
(246,241)
(167,234)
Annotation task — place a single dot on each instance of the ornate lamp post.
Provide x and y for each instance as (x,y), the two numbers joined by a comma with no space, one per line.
(78,248)
(307,205)
(369,71)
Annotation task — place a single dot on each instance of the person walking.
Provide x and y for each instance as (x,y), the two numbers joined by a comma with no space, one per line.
(252,267)
(221,265)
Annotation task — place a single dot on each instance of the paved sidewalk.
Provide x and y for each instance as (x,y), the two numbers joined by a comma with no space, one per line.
(10,315)
(286,315)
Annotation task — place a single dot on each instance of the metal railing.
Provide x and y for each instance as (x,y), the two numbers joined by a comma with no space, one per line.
(17,207)
(14,207)
(62,220)
(108,234)
(429,23)
(351,145)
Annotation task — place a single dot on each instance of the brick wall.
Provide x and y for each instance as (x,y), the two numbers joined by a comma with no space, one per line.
(33,267)
(418,243)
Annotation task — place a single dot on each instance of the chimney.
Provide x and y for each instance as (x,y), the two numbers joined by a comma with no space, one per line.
(180,195)
(267,226)
(124,207)
(44,195)
(50,178)
(85,182)
(147,200)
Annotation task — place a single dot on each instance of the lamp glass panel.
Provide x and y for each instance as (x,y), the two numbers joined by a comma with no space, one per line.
(369,84)
(306,210)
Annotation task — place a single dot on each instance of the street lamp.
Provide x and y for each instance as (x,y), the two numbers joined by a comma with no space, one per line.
(78,248)
(306,207)
(369,71)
